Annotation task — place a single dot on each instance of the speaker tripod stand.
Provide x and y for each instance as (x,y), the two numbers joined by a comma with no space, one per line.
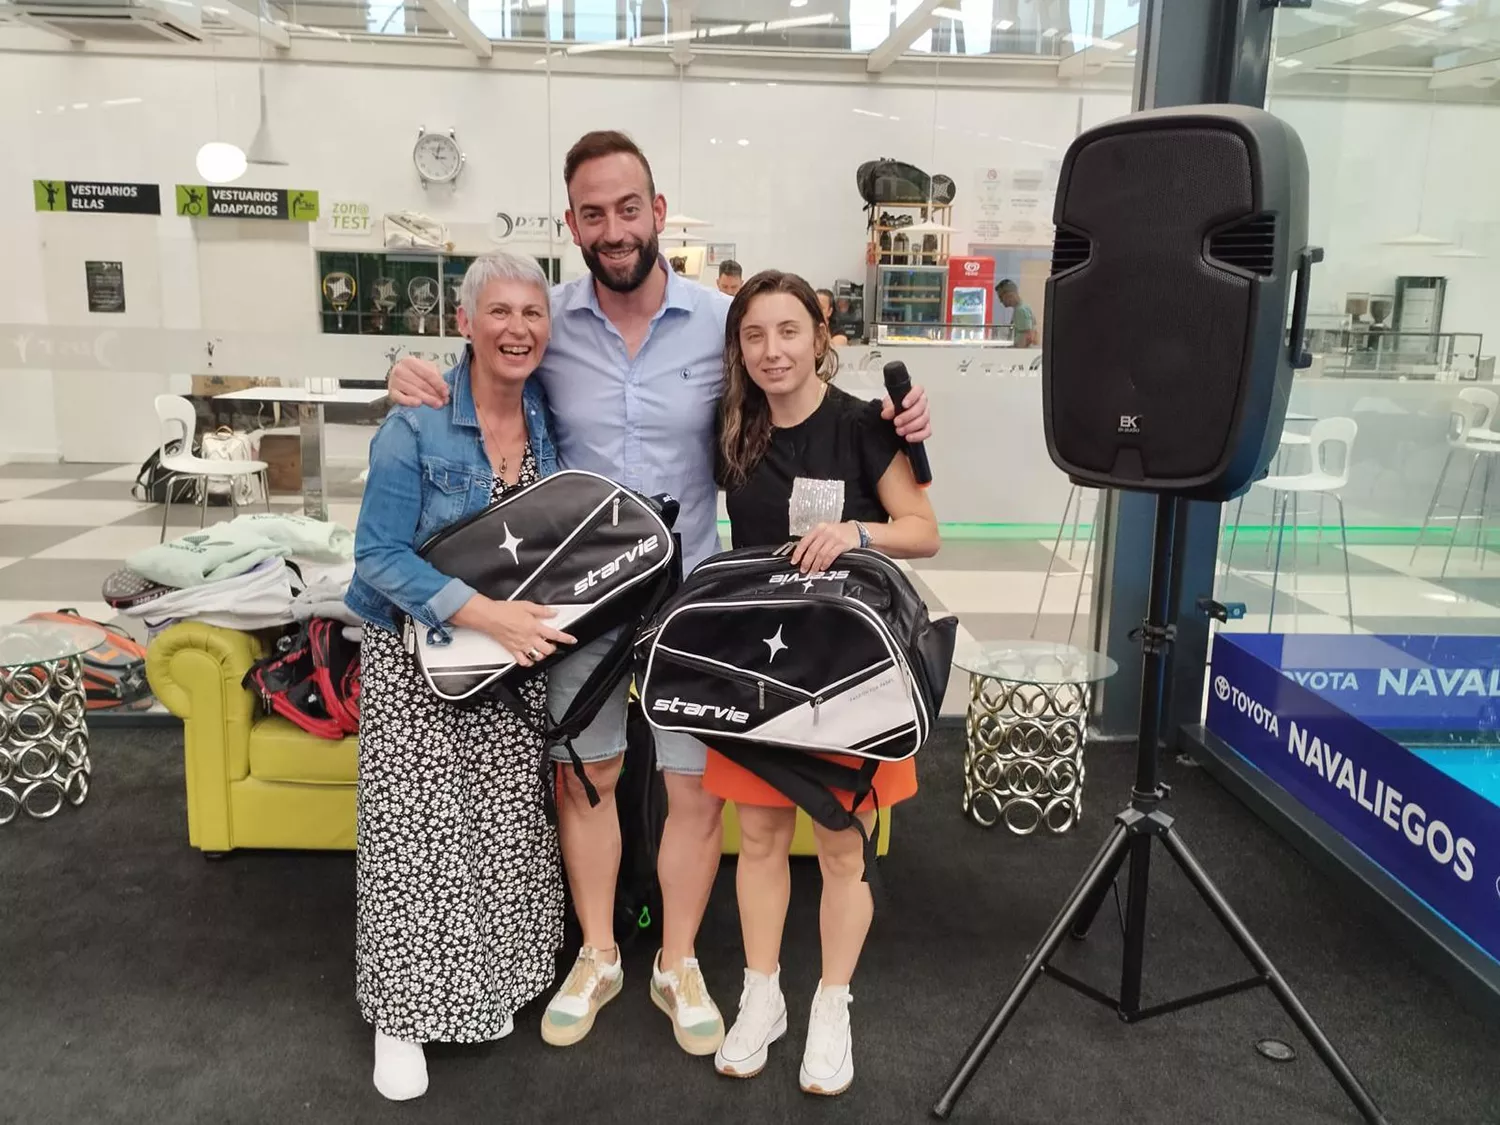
(1139,827)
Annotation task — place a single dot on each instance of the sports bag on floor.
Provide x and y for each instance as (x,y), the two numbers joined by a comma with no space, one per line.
(114,672)
(225,444)
(152,482)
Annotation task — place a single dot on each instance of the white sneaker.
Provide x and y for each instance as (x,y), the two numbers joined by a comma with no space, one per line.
(591,984)
(762,1021)
(828,1060)
(400,1068)
(696,1022)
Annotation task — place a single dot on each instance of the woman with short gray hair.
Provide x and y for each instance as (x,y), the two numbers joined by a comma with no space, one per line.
(459,894)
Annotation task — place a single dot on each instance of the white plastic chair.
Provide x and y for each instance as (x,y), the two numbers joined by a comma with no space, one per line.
(1331,442)
(1483,424)
(1468,432)
(178,422)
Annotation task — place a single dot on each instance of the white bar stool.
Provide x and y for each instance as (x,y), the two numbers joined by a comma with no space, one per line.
(1331,438)
(1469,432)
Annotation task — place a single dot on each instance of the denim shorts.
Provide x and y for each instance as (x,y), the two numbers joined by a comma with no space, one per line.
(604,738)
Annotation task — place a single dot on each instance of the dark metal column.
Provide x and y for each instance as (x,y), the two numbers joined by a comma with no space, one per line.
(1191,52)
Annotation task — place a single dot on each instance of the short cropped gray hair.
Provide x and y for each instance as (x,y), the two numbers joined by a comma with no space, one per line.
(500,266)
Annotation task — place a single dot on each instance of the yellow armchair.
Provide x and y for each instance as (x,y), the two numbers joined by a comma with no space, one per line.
(257,781)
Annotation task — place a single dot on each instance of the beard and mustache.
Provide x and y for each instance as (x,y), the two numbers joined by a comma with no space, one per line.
(607,274)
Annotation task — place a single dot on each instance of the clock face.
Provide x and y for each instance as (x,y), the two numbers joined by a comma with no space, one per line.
(437,157)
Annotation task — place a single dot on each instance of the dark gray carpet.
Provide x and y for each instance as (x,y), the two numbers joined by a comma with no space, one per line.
(143,983)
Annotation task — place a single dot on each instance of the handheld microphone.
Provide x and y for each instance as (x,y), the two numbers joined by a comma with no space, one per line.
(898,386)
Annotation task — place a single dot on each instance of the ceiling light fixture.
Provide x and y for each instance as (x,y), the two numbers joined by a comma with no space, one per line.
(1050,33)
(1402,8)
(262,150)
(799,3)
(743,141)
(947,14)
(1004,25)
(1417,238)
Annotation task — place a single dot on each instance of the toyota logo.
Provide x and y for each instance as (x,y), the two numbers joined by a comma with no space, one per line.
(1221,687)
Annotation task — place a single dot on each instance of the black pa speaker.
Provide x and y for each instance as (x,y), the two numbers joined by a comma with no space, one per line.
(1166,359)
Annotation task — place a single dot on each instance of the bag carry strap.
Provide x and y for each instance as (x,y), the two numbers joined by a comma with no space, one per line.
(808,781)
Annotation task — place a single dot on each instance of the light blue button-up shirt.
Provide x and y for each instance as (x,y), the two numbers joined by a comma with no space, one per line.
(646,422)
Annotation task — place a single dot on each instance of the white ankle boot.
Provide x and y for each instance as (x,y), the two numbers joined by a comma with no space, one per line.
(400,1068)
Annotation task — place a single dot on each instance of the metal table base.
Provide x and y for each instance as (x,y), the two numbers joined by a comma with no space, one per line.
(1023,764)
(44,739)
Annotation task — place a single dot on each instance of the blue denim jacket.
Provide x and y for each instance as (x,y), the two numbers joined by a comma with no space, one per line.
(428,469)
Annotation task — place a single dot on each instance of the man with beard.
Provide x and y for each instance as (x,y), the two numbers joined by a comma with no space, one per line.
(633,375)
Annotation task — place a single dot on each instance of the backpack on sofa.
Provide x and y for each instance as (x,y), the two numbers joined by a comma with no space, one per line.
(312,679)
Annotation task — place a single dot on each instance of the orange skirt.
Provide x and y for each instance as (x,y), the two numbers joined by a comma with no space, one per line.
(894,782)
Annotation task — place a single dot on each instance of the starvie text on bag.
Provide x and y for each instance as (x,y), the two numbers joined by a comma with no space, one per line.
(1340,771)
(647,546)
(678,706)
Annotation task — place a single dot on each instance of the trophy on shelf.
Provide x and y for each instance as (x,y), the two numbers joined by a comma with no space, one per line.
(455,298)
(338,291)
(1380,308)
(423,294)
(1356,305)
(384,297)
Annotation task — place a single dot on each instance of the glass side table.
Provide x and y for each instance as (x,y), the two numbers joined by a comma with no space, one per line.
(44,738)
(1025,731)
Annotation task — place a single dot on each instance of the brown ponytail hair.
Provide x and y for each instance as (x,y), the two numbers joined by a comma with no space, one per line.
(744,412)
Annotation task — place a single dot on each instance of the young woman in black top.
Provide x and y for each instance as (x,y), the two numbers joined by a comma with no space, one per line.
(800,459)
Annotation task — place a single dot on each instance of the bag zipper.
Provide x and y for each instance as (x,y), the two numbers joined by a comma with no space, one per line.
(739,675)
(453,528)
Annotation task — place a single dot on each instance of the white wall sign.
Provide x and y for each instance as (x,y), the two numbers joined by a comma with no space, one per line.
(348,218)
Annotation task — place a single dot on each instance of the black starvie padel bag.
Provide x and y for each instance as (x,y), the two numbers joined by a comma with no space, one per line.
(764,664)
(598,553)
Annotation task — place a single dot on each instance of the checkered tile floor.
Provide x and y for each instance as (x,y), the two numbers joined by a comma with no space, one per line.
(64,527)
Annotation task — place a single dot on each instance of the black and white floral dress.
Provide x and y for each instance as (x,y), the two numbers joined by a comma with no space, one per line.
(459,882)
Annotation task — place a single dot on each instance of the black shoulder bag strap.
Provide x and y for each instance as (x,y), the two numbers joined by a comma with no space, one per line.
(808,781)
(591,695)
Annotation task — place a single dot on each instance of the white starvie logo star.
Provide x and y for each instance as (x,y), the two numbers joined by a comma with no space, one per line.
(807,586)
(338,288)
(775,644)
(512,544)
